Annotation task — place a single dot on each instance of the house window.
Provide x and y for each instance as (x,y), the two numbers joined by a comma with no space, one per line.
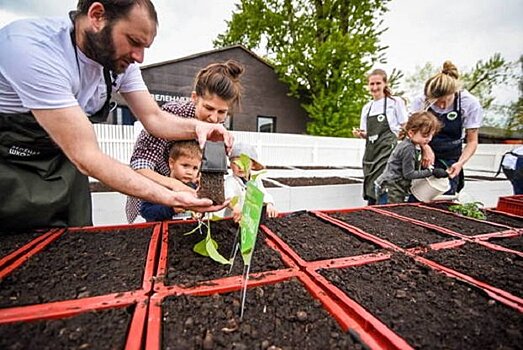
(266,124)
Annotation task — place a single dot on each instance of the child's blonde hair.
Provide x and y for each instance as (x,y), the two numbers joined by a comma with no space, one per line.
(189,149)
(424,122)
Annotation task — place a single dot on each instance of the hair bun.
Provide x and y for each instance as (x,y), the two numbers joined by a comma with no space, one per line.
(450,69)
(234,69)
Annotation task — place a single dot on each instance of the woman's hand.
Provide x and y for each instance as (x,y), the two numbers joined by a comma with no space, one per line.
(359,133)
(272,212)
(455,169)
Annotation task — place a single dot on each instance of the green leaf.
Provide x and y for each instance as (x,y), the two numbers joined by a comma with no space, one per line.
(201,247)
(194,230)
(212,250)
(234,200)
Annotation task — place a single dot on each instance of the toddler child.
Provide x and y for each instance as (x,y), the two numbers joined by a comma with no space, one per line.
(403,165)
(185,158)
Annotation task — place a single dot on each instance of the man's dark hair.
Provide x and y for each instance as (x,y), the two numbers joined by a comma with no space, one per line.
(116,9)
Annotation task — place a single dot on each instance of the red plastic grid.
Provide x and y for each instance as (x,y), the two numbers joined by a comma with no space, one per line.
(382,335)
(511,204)
(283,246)
(159,285)
(444,230)
(71,308)
(148,271)
(26,247)
(345,320)
(324,214)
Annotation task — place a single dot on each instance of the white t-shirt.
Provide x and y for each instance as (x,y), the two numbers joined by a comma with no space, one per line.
(235,187)
(39,69)
(471,110)
(396,113)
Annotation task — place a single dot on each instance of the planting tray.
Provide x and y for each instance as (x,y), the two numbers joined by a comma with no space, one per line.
(82,263)
(500,268)
(13,245)
(95,325)
(451,222)
(511,204)
(287,312)
(309,238)
(394,231)
(409,302)
(180,267)
(514,243)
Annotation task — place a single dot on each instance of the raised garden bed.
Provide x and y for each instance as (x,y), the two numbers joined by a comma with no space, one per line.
(9,242)
(314,239)
(401,233)
(277,316)
(80,264)
(428,309)
(314,181)
(449,221)
(499,269)
(184,267)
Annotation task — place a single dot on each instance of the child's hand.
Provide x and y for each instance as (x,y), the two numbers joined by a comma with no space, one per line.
(236,214)
(272,212)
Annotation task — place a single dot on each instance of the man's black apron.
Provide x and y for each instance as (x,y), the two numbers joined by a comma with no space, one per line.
(39,186)
(378,147)
(448,143)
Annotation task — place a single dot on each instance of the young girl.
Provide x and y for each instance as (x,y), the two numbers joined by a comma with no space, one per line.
(405,159)
(381,120)
(235,184)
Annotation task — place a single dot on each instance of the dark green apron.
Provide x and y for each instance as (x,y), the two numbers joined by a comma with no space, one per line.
(378,147)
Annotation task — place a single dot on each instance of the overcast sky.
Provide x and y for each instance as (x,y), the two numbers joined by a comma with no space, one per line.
(420,31)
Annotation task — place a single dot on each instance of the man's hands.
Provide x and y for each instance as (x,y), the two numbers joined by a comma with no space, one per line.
(213,132)
(189,201)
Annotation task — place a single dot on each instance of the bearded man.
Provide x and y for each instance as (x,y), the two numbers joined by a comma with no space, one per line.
(56,78)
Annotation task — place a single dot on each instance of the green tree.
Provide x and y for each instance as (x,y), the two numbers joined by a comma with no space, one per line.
(322,49)
(515,110)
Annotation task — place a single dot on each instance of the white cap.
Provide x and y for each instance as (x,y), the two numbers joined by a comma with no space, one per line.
(247,149)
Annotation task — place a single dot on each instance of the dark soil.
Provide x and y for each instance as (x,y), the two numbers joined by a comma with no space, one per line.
(185,267)
(77,265)
(514,243)
(449,221)
(314,181)
(499,269)
(100,187)
(313,239)
(268,184)
(498,218)
(211,186)
(105,329)
(401,233)
(281,316)
(276,167)
(11,241)
(428,309)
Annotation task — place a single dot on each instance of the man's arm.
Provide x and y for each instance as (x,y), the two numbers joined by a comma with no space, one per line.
(74,134)
(167,126)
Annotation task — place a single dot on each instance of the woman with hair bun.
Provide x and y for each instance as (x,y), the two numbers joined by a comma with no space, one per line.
(381,121)
(217,92)
(461,115)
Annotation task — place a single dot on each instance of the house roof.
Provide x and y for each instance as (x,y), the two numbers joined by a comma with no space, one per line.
(206,53)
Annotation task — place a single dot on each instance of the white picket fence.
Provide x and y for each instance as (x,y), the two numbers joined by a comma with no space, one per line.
(290,149)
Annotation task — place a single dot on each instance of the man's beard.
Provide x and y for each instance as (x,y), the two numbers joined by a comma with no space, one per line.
(100,48)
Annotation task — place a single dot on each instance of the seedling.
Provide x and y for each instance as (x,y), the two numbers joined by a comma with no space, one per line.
(208,246)
(470,209)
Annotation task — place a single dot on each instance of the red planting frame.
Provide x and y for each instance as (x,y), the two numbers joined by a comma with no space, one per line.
(58,310)
(147,278)
(159,285)
(345,320)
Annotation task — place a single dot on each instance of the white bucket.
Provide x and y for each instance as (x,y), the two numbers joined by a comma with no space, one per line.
(428,188)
